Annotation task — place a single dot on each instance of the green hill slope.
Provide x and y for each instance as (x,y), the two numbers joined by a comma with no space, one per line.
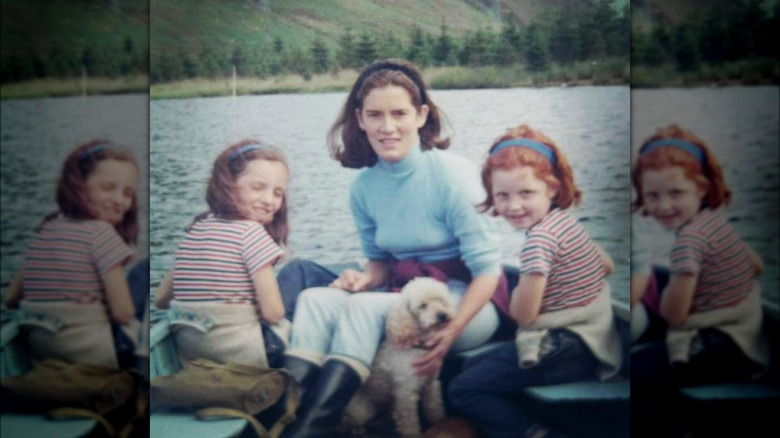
(189,26)
(186,25)
(44,38)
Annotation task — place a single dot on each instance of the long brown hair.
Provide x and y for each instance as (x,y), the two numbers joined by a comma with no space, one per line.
(221,189)
(707,175)
(558,177)
(72,197)
(348,143)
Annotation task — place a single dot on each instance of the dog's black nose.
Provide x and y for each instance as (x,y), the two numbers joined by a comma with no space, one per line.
(442,317)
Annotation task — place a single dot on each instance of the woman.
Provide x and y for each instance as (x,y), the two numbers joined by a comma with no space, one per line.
(414,208)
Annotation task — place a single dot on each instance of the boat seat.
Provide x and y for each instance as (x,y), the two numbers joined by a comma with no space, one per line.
(15,424)
(187,425)
(581,392)
(733,392)
(593,391)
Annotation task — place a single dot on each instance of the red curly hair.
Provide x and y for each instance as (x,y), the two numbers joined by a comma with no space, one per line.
(559,177)
(708,176)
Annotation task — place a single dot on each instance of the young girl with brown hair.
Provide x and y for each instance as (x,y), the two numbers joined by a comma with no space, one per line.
(222,283)
(72,286)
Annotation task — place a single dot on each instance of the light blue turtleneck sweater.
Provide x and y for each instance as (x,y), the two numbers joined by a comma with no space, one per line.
(423,207)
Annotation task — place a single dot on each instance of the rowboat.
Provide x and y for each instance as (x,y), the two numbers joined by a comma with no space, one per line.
(581,409)
(591,408)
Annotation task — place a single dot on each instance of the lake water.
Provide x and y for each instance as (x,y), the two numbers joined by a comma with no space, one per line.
(741,127)
(591,125)
(37,136)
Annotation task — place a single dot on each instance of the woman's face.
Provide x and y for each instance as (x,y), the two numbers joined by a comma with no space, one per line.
(391,122)
(261,188)
(111,190)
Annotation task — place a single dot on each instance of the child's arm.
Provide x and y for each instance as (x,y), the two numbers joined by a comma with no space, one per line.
(638,287)
(120,303)
(606,261)
(14,293)
(164,293)
(758,264)
(527,298)
(269,298)
(677,298)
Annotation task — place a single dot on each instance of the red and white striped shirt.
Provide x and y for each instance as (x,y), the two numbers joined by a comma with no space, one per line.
(710,248)
(67,257)
(217,259)
(559,248)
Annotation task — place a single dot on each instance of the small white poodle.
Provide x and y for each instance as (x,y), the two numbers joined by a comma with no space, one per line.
(425,307)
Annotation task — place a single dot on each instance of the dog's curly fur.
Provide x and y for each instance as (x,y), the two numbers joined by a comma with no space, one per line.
(425,307)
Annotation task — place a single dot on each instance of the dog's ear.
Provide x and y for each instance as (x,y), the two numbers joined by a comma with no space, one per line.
(401,328)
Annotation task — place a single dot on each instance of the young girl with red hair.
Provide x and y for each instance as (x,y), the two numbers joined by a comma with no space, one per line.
(562,302)
(712,284)
(712,302)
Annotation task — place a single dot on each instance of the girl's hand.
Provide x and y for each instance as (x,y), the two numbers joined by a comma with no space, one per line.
(606,261)
(15,292)
(758,264)
(164,293)
(352,281)
(430,364)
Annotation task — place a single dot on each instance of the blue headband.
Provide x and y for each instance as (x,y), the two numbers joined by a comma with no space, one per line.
(246,148)
(676,143)
(93,149)
(542,148)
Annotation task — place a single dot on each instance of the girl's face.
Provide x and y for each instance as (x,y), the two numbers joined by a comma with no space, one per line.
(391,122)
(520,197)
(671,198)
(261,188)
(111,190)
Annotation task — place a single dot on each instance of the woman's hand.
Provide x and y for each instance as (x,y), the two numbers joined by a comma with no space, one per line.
(352,281)
(440,343)
(477,295)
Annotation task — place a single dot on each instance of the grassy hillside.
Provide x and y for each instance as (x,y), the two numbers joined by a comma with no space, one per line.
(184,25)
(189,25)
(42,25)
(60,38)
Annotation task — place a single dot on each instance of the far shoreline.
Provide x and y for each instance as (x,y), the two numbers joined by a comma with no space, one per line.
(608,73)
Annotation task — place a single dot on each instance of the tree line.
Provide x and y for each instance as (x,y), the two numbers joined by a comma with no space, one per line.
(744,30)
(116,59)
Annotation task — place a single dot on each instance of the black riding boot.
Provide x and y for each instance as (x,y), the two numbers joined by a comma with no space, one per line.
(305,374)
(320,411)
